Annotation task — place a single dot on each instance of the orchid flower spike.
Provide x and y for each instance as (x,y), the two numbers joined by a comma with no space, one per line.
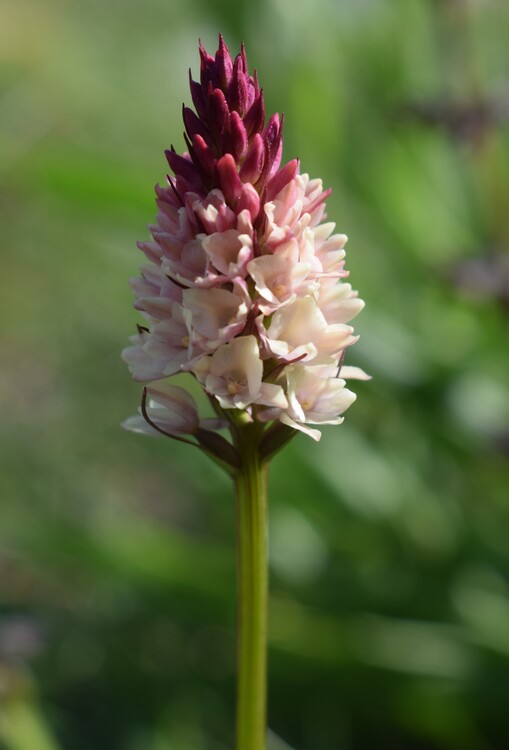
(244,285)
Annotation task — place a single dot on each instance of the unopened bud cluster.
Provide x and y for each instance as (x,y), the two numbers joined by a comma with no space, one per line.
(244,286)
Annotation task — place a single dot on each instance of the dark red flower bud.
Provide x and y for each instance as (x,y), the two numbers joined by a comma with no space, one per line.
(206,60)
(229,180)
(243,59)
(224,64)
(184,168)
(272,140)
(219,113)
(238,136)
(271,132)
(194,124)
(275,157)
(237,91)
(253,163)
(249,199)
(204,155)
(198,97)
(208,71)
(282,178)
(255,116)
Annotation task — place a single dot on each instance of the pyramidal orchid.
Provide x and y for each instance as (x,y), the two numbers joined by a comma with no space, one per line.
(244,289)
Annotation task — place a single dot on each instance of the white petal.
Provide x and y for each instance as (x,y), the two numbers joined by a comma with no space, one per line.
(140,426)
(272,395)
(178,409)
(315,434)
(354,373)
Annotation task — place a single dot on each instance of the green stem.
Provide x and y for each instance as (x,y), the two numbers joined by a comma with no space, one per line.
(252,596)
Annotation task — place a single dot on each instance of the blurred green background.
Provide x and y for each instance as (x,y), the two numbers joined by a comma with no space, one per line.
(389,539)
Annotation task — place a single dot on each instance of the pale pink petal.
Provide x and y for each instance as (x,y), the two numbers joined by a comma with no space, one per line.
(178,406)
(229,252)
(354,373)
(301,329)
(314,397)
(339,302)
(140,426)
(235,373)
(313,433)
(142,365)
(214,316)
(272,395)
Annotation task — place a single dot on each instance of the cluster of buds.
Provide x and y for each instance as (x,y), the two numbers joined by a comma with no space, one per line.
(245,287)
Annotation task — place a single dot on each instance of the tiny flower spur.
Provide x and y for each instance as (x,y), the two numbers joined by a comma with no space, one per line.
(244,290)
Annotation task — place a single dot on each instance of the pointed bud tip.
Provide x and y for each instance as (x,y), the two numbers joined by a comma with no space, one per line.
(223,46)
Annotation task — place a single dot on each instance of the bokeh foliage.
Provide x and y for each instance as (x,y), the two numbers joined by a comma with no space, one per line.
(389,540)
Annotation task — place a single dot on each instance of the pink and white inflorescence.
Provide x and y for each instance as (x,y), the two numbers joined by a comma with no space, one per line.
(245,282)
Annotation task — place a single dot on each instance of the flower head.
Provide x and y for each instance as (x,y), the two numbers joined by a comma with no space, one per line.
(244,286)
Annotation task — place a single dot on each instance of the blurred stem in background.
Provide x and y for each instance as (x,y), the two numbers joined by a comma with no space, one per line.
(252,597)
